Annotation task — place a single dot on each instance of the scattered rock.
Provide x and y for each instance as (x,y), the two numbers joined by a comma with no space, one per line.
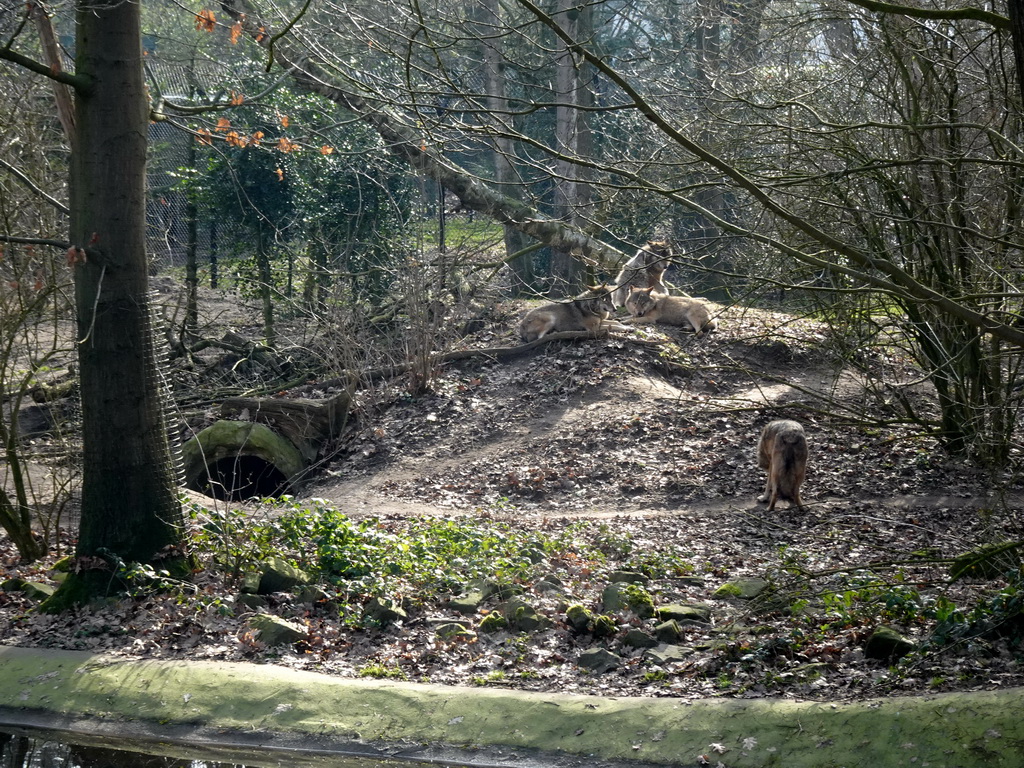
(665,653)
(278,575)
(312,594)
(808,673)
(250,583)
(274,630)
(668,631)
(250,602)
(599,660)
(453,629)
(628,577)
(522,616)
(604,626)
(887,644)
(480,591)
(31,589)
(467,604)
(579,617)
(989,561)
(383,611)
(637,638)
(503,590)
(620,596)
(743,589)
(534,555)
(691,612)
(493,622)
(550,583)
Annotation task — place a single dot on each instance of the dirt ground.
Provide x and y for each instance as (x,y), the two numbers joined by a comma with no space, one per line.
(648,437)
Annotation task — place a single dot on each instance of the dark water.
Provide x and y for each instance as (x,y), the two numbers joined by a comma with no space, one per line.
(44,750)
(26,752)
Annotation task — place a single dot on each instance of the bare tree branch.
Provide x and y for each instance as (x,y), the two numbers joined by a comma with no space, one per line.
(75,81)
(946,14)
(31,185)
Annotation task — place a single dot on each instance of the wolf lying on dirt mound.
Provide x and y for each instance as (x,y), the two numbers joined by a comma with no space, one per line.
(587,312)
(648,306)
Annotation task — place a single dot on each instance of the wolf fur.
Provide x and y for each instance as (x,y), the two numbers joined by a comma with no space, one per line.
(646,269)
(648,306)
(587,312)
(782,450)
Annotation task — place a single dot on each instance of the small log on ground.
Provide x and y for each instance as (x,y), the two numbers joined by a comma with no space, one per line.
(308,424)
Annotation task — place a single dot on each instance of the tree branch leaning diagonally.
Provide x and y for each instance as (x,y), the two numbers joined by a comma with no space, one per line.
(405,143)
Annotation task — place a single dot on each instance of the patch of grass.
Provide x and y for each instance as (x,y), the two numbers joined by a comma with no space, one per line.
(494,676)
(383,672)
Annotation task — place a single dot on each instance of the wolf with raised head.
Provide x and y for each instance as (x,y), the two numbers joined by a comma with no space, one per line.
(645,270)
(587,312)
(782,450)
(645,305)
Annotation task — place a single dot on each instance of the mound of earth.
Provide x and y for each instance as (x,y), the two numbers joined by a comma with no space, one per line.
(637,423)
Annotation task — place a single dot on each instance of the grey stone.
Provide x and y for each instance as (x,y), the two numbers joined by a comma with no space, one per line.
(550,583)
(637,638)
(579,618)
(467,604)
(887,644)
(599,660)
(668,631)
(452,629)
(312,594)
(621,596)
(250,602)
(274,630)
(697,612)
(33,590)
(666,653)
(744,589)
(250,583)
(522,616)
(278,575)
(383,611)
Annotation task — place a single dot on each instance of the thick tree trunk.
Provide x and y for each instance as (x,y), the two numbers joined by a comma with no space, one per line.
(130,507)
(572,140)
(505,173)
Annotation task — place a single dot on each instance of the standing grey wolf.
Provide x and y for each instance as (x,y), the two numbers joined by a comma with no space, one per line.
(648,306)
(646,269)
(587,312)
(782,450)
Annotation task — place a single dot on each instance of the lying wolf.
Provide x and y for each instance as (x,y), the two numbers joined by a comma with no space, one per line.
(587,312)
(645,270)
(648,306)
(782,450)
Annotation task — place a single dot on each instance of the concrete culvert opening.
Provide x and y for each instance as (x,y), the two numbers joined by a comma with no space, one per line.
(243,477)
(239,460)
